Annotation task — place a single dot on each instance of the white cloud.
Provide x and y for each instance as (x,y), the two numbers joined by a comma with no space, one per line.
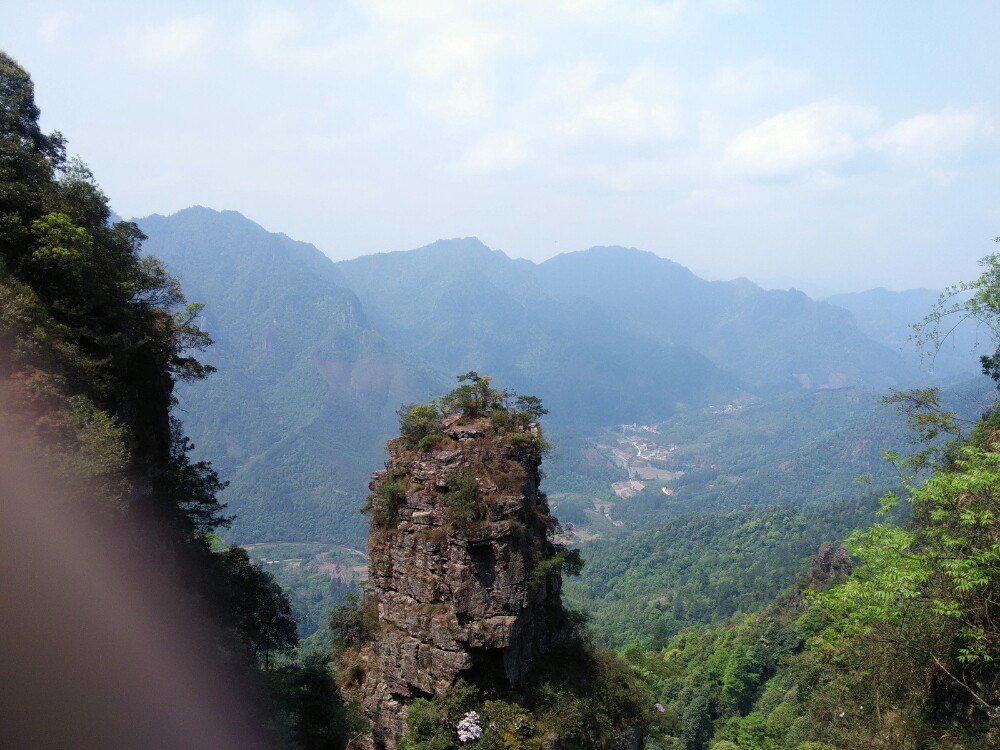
(289,41)
(652,16)
(815,135)
(179,40)
(641,19)
(934,136)
(446,52)
(641,108)
(463,98)
(52,25)
(456,49)
(407,11)
(496,152)
(758,78)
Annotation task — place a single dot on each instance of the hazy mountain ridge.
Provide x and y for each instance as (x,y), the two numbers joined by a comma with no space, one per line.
(888,317)
(305,391)
(315,356)
(459,305)
(774,340)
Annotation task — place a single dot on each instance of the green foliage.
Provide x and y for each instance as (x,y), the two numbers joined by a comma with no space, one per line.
(353,622)
(317,577)
(975,301)
(898,654)
(461,499)
(257,608)
(62,251)
(384,503)
(420,425)
(930,424)
(579,693)
(194,487)
(431,723)
(701,568)
(315,718)
(475,398)
(696,723)
(568,562)
(947,566)
(90,326)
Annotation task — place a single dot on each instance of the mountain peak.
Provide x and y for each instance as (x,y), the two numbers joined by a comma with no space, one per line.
(618,260)
(467,246)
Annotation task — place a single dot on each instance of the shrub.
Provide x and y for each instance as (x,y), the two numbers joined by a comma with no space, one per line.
(420,423)
(353,622)
(508,725)
(583,695)
(475,397)
(567,561)
(384,503)
(534,438)
(350,671)
(461,499)
(431,724)
(429,441)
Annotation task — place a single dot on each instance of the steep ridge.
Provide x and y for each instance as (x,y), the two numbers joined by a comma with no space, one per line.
(306,390)
(777,341)
(460,306)
(315,356)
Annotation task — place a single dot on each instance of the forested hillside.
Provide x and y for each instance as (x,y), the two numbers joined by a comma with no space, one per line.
(773,341)
(887,642)
(702,568)
(459,305)
(803,450)
(305,391)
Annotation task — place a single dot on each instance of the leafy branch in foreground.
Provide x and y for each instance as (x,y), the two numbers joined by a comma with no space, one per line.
(976,302)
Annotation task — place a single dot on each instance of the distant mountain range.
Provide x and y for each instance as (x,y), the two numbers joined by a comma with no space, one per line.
(314,356)
(888,317)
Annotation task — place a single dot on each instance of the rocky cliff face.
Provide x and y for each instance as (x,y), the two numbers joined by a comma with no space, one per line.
(456,564)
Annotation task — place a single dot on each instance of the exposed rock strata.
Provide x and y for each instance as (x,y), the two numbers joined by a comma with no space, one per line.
(454,593)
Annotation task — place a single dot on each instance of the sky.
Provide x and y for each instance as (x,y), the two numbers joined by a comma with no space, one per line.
(831,146)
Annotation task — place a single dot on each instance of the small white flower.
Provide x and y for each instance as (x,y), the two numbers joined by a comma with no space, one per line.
(468,728)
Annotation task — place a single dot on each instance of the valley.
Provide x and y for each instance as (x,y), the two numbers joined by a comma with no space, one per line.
(315,357)
(403,489)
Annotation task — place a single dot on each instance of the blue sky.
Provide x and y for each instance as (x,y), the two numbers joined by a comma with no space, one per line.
(827,145)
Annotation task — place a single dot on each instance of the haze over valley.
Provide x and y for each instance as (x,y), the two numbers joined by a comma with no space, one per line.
(314,357)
